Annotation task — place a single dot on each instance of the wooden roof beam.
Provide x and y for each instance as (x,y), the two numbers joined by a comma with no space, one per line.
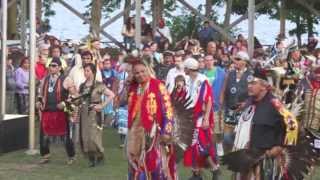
(81,16)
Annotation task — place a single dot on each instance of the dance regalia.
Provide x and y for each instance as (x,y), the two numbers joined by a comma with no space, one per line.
(201,147)
(311,115)
(53,121)
(150,118)
(267,146)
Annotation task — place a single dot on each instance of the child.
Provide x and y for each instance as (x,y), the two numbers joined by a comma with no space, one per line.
(179,90)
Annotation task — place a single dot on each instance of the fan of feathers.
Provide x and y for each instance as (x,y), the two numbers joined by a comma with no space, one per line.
(296,161)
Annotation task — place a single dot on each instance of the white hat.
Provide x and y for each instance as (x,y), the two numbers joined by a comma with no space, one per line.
(44,46)
(242,55)
(191,63)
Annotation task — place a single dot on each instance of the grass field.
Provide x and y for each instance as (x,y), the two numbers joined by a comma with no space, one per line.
(19,166)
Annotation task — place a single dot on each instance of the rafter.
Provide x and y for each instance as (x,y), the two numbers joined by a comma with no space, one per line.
(309,7)
(81,16)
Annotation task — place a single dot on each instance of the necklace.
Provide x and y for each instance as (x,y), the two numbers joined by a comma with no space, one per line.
(52,82)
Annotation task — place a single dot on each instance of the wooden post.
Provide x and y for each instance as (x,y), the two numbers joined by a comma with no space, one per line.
(12,22)
(32,78)
(126,10)
(95,17)
(282,18)
(245,16)
(8,5)
(251,13)
(23,25)
(4,53)
(138,24)
(116,17)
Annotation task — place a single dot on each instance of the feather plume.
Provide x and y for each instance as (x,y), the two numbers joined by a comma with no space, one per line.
(296,161)
(242,160)
(184,121)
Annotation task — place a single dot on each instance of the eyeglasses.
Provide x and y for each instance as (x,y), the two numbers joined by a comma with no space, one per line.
(237,59)
(53,65)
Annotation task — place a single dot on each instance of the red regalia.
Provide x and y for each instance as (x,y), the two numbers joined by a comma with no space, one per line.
(202,146)
(154,110)
(53,123)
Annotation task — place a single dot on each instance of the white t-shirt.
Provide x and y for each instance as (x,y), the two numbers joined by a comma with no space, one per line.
(193,88)
(165,32)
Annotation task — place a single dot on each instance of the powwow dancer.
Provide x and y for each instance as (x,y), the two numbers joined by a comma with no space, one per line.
(91,119)
(310,87)
(201,152)
(54,122)
(150,128)
(266,145)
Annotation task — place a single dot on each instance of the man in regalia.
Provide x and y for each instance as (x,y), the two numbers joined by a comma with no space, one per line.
(201,152)
(150,128)
(54,124)
(264,127)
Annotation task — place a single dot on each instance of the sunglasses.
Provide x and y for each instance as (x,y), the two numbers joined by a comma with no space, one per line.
(53,65)
(237,59)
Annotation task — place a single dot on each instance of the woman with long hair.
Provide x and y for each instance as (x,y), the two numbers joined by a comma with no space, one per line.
(91,120)
(22,83)
(128,33)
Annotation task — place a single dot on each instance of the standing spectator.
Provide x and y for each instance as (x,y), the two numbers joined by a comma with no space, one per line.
(109,78)
(236,48)
(157,57)
(174,72)
(146,31)
(235,94)
(317,55)
(243,40)
(22,82)
(77,72)
(128,33)
(206,34)
(216,75)
(312,43)
(200,59)
(10,88)
(212,48)
(55,52)
(41,69)
(162,69)
(121,103)
(95,51)
(163,35)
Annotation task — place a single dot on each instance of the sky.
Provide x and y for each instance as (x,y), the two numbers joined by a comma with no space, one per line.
(66,25)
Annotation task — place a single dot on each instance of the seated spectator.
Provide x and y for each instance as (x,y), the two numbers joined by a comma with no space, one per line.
(163,35)
(206,34)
